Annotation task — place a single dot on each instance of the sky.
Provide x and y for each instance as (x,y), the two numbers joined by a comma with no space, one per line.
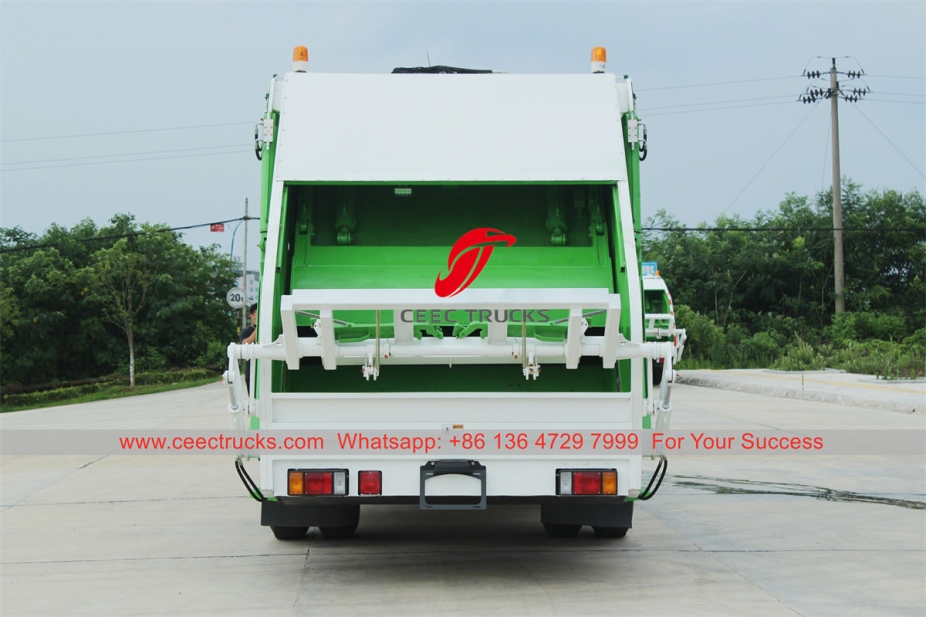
(148,108)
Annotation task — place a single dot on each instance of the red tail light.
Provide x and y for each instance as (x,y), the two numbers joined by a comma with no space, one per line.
(303,482)
(371,482)
(319,483)
(586,483)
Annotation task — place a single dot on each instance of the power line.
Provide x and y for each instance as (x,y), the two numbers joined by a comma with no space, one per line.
(719,83)
(763,98)
(904,94)
(691,111)
(895,77)
(897,102)
(135,234)
(128,235)
(890,142)
(100,156)
(171,128)
(787,139)
(205,126)
(156,158)
(798,229)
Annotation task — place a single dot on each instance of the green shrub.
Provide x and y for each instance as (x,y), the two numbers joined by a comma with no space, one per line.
(117,385)
(863,326)
(800,357)
(706,340)
(49,396)
(215,356)
(174,376)
(761,350)
(883,358)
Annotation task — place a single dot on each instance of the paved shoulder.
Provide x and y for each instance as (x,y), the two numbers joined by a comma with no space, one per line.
(823,386)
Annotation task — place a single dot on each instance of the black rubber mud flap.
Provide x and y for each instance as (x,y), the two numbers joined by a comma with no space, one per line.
(472,469)
(597,515)
(276,514)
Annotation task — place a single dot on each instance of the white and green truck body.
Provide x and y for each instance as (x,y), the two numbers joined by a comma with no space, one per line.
(451,304)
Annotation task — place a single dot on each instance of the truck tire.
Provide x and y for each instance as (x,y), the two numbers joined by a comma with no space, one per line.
(610,532)
(560,530)
(289,533)
(338,533)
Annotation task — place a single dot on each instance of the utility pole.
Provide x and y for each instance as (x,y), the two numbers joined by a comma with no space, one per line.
(833,93)
(244,269)
(838,261)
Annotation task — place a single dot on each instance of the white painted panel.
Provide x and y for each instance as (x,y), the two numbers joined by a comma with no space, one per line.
(426,411)
(450,128)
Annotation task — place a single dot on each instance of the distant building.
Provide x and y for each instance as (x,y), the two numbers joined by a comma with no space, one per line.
(252,285)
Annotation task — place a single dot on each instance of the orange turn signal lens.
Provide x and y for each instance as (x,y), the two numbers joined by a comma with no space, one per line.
(609,483)
(296,483)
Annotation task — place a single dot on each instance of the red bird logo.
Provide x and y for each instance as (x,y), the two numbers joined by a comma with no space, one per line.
(468,257)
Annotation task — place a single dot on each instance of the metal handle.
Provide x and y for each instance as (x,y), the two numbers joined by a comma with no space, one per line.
(473,469)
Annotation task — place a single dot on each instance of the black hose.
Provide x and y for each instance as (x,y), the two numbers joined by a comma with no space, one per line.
(249,484)
(664,465)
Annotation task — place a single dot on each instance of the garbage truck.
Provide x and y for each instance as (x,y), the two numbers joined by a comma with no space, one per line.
(659,316)
(451,301)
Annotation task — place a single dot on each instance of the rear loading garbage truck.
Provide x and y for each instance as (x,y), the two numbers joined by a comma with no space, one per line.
(659,316)
(451,303)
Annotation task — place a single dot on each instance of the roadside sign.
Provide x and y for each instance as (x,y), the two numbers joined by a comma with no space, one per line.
(236,298)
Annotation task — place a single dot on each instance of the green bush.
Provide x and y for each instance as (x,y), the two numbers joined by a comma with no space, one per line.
(865,343)
(863,326)
(884,358)
(800,357)
(150,359)
(174,376)
(120,384)
(706,340)
(916,343)
(49,396)
(216,355)
(761,350)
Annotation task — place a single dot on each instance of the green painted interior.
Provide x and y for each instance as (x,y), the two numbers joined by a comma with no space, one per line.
(368,237)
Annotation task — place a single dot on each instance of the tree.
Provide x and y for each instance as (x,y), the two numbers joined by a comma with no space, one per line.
(59,319)
(124,279)
(778,276)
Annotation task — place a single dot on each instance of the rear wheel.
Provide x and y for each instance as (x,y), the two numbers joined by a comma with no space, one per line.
(560,530)
(610,532)
(338,533)
(289,533)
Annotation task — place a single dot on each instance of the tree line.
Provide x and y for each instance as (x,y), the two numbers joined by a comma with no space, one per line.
(90,301)
(760,291)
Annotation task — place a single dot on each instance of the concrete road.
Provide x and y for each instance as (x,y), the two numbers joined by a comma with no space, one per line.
(734,535)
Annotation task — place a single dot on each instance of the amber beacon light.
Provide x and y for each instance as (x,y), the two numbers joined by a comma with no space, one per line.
(599,57)
(300,59)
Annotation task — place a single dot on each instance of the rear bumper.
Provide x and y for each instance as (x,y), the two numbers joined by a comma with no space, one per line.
(320,512)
